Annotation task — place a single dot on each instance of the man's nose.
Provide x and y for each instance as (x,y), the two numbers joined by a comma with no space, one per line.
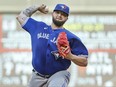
(59,14)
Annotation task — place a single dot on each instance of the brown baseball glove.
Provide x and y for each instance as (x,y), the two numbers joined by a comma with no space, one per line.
(63,44)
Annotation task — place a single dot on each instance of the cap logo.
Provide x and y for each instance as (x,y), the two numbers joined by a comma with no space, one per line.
(63,7)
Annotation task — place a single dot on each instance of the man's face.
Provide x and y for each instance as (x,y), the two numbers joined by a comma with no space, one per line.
(59,18)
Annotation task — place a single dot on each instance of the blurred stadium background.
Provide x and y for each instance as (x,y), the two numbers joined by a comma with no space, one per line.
(94,21)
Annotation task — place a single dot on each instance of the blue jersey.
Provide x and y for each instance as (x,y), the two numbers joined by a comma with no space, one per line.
(43,39)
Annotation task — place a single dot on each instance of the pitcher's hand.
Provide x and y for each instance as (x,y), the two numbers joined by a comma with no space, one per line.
(43,9)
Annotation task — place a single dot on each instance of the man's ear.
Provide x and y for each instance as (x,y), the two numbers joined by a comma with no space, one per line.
(52,13)
(67,19)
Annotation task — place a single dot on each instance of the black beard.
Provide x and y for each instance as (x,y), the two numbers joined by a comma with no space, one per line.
(58,23)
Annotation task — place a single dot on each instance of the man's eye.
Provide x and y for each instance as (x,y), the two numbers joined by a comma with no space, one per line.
(57,12)
(64,14)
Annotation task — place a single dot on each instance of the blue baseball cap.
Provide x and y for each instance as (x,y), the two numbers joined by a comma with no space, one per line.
(62,7)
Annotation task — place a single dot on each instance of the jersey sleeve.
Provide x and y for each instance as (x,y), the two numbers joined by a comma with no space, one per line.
(31,25)
(78,48)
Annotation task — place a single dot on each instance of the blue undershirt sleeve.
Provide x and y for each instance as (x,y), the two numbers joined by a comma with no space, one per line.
(78,48)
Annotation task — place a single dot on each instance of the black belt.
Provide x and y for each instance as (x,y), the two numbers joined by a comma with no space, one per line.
(39,74)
